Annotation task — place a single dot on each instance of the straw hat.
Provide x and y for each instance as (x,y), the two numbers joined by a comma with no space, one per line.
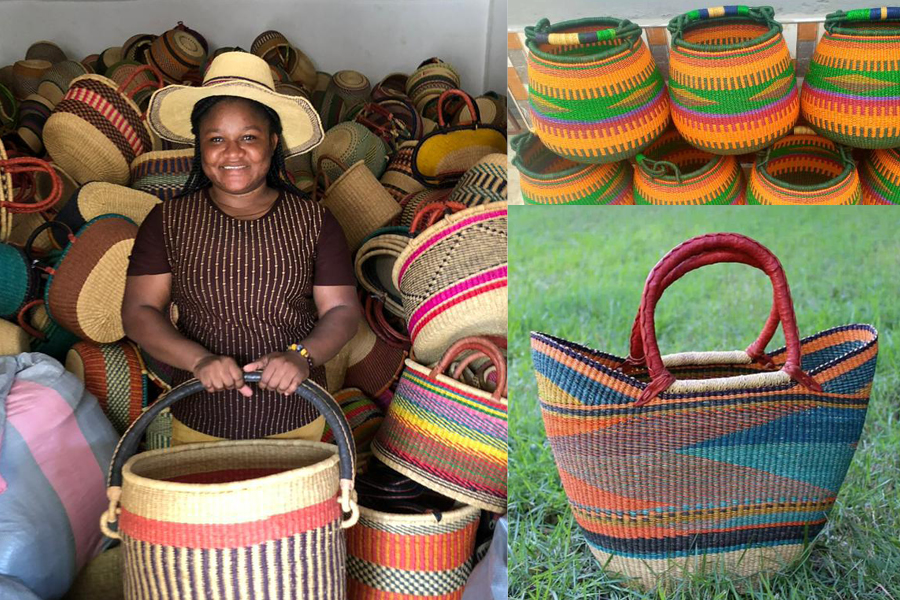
(242,75)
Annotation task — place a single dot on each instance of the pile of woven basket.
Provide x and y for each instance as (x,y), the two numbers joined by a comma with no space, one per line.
(607,130)
(414,170)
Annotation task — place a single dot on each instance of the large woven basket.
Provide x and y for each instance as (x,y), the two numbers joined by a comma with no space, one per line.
(492,108)
(483,183)
(414,557)
(731,79)
(265,512)
(595,93)
(398,177)
(880,177)
(375,361)
(177,53)
(162,173)
(98,198)
(374,264)
(705,461)
(547,178)
(45,50)
(55,82)
(672,172)
(346,91)
(804,169)
(363,416)
(446,435)
(851,94)
(351,142)
(27,75)
(452,278)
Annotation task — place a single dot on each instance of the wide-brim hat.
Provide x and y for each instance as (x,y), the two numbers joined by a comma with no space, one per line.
(242,75)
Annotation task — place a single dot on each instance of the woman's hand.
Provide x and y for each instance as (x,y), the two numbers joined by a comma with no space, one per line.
(282,372)
(219,373)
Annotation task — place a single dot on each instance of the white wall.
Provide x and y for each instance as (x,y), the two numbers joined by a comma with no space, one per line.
(375,37)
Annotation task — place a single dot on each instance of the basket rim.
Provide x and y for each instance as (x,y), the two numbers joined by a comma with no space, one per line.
(629,42)
(458,512)
(530,139)
(775,30)
(445,379)
(762,169)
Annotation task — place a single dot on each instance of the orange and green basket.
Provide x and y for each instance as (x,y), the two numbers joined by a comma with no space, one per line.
(879,175)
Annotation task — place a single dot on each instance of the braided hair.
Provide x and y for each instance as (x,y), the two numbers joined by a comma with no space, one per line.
(277,177)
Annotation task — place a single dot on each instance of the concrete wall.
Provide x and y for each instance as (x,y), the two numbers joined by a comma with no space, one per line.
(375,37)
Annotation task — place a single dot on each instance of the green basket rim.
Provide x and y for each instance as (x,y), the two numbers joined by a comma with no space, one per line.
(849,166)
(530,139)
(629,40)
(680,24)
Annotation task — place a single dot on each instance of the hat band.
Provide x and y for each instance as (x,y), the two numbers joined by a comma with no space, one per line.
(226,78)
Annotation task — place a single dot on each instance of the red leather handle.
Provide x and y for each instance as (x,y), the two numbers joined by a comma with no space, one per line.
(756,350)
(433,212)
(660,377)
(30,165)
(470,102)
(478,344)
(380,326)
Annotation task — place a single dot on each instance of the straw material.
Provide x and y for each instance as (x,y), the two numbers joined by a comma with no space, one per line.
(54,341)
(483,183)
(109,57)
(804,169)
(99,198)
(9,110)
(85,292)
(453,279)
(392,86)
(398,177)
(851,94)
(336,370)
(492,108)
(410,204)
(374,264)
(33,114)
(374,364)
(27,75)
(159,432)
(432,78)
(880,177)
(426,556)
(13,339)
(137,47)
(113,373)
(731,79)
(57,78)
(347,90)
(45,50)
(361,413)
(162,173)
(351,142)
(672,172)
(177,52)
(594,102)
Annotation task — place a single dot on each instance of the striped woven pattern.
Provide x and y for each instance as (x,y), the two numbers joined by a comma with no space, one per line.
(852,91)
(361,413)
(448,436)
(731,80)
(350,142)
(453,279)
(411,204)
(33,113)
(672,172)
(162,173)
(429,81)
(547,178)
(595,103)
(804,169)
(483,183)
(741,478)
(177,52)
(398,176)
(373,365)
(880,177)
(411,557)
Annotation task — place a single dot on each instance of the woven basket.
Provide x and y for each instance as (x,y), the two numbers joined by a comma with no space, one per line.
(446,435)
(159,432)
(356,199)
(45,50)
(851,94)
(547,178)
(115,374)
(595,93)
(375,361)
(672,172)
(13,339)
(137,47)
(27,76)
(177,52)
(394,121)
(33,114)
(374,263)
(162,173)
(98,198)
(444,155)
(20,282)
(363,416)
(109,57)
(47,336)
(452,278)
(57,78)
(392,86)
(347,90)
(491,107)
(96,132)
(731,79)
(730,465)
(22,199)
(398,176)
(273,507)
(880,177)
(804,169)
(318,90)
(411,204)
(415,557)
(431,78)
(86,286)
(9,110)
(349,143)
(483,183)
(89,62)
(137,86)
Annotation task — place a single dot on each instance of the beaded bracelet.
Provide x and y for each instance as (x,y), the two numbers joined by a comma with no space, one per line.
(303,352)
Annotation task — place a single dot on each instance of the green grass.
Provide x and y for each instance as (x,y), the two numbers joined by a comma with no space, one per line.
(578,273)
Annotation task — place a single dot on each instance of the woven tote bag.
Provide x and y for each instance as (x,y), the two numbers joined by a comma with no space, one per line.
(492,107)
(804,169)
(705,461)
(398,178)
(731,79)
(452,278)
(672,172)
(374,264)
(851,94)
(547,178)
(446,435)
(484,183)
(258,514)
(375,360)
(115,374)
(162,173)
(880,177)
(363,416)
(595,93)
(356,199)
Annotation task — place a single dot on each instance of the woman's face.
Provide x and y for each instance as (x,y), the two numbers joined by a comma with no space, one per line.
(236,146)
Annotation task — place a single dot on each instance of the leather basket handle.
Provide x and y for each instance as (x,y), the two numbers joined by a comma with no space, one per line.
(481,345)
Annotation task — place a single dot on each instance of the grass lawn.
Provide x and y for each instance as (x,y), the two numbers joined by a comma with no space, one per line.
(578,273)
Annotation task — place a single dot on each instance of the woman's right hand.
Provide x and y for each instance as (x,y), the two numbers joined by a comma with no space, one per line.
(219,373)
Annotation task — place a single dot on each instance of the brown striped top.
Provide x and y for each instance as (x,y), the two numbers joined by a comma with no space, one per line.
(243,289)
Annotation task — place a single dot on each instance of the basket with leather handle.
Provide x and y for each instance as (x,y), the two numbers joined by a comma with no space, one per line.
(21,198)
(374,263)
(446,435)
(47,336)
(276,508)
(398,177)
(376,357)
(736,457)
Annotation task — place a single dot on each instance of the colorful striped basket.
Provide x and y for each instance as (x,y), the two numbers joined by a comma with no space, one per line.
(398,177)
(731,79)
(671,171)
(56,80)
(705,461)
(414,557)
(880,177)
(446,435)
(547,178)
(47,336)
(162,173)
(98,198)
(431,78)
(595,93)
(346,91)
(375,361)
(804,169)
(363,416)
(851,94)
(411,204)
(351,142)
(483,183)
(266,513)
(177,52)
(452,278)
(374,264)
(115,374)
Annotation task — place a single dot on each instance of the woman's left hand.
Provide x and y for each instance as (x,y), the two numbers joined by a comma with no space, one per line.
(282,372)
